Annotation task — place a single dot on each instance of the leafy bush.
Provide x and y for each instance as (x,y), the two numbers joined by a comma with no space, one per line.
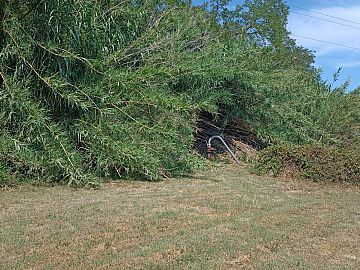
(114,88)
(86,89)
(318,163)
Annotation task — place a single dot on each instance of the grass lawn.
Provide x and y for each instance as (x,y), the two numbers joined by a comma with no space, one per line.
(225,218)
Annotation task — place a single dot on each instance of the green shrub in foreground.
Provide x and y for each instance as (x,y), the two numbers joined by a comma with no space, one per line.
(318,163)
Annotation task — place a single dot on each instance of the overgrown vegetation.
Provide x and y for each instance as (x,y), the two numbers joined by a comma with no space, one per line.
(114,88)
(318,163)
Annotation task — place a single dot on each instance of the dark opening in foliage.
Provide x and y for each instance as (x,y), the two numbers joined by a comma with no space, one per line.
(235,132)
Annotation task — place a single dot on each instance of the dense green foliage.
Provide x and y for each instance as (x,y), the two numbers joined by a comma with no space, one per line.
(318,163)
(113,88)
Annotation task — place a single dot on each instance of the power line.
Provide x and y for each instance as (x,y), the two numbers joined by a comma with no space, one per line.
(328,42)
(343,24)
(327,15)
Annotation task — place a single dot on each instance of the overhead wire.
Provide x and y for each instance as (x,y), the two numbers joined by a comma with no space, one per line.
(324,14)
(331,21)
(318,18)
(329,42)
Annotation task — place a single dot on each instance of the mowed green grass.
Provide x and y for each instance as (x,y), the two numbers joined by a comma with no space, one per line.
(225,218)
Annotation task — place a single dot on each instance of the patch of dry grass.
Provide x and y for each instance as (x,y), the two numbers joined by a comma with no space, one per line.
(223,219)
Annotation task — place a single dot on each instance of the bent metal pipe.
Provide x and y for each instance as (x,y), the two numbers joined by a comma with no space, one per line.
(224,143)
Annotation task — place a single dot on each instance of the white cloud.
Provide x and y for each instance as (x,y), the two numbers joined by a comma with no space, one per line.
(327,31)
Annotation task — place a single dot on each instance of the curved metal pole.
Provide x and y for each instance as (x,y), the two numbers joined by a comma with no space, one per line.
(224,143)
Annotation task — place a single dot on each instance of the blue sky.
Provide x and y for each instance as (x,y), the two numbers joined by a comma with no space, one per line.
(328,56)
